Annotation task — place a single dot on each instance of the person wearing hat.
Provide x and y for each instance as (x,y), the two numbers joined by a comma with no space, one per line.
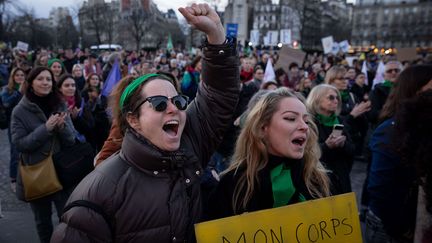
(57,68)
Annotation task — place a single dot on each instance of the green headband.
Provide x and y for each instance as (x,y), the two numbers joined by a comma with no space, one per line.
(53,60)
(134,85)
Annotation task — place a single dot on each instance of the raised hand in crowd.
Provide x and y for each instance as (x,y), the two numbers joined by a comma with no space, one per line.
(204,18)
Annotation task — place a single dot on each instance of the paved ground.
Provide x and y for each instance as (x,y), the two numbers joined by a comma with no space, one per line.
(17,224)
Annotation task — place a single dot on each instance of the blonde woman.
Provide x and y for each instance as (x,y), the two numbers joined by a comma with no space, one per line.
(276,160)
(352,111)
(324,104)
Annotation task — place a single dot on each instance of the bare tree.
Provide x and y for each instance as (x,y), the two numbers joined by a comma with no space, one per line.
(67,34)
(92,18)
(4,5)
(139,22)
(27,28)
(307,12)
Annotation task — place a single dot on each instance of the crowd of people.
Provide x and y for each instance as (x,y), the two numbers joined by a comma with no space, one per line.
(208,137)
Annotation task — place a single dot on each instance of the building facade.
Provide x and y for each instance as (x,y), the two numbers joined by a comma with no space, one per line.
(389,24)
(336,19)
(134,24)
(302,17)
(239,12)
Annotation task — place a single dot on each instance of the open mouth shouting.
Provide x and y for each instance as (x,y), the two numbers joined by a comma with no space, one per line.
(171,127)
(299,142)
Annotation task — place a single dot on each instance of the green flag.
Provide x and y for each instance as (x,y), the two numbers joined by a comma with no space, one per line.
(169,44)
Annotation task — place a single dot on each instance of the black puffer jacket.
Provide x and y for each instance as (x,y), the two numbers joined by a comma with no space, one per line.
(378,97)
(151,195)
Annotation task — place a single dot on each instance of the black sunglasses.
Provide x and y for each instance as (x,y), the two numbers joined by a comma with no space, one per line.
(160,102)
(332,97)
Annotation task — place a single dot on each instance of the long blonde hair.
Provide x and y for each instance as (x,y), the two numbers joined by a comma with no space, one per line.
(252,154)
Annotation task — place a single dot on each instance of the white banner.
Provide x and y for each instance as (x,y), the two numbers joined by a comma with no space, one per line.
(273,37)
(335,48)
(254,37)
(285,36)
(344,46)
(22,46)
(327,43)
(266,41)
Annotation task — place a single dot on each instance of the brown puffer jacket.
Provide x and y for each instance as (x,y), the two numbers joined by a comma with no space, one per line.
(153,196)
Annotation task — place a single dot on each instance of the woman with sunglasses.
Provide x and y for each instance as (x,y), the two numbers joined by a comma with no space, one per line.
(324,103)
(352,111)
(150,190)
(381,91)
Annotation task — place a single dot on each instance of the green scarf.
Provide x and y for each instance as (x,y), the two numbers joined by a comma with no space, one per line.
(344,95)
(388,84)
(283,186)
(328,121)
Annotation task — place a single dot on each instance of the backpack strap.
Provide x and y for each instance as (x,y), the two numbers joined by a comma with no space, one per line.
(93,206)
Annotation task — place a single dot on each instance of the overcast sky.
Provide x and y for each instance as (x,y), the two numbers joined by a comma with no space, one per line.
(43,7)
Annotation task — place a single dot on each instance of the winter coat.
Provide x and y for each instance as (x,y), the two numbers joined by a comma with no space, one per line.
(151,195)
(9,100)
(221,199)
(31,137)
(337,160)
(391,185)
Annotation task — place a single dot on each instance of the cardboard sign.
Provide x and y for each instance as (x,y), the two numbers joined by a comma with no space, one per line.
(332,219)
(289,55)
(22,46)
(406,54)
(327,43)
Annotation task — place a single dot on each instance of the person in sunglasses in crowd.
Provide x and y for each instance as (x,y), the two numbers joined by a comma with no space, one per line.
(381,91)
(324,103)
(150,190)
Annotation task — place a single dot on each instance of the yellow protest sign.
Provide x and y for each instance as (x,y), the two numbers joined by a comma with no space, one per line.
(332,219)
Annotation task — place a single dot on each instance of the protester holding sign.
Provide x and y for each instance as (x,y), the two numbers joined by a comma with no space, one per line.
(150,190)
(276,159)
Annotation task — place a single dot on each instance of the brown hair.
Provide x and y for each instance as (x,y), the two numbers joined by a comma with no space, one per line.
(407,85)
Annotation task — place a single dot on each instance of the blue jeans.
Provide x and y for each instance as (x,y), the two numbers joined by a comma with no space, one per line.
(14,157)
(375,232)
(42,211)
